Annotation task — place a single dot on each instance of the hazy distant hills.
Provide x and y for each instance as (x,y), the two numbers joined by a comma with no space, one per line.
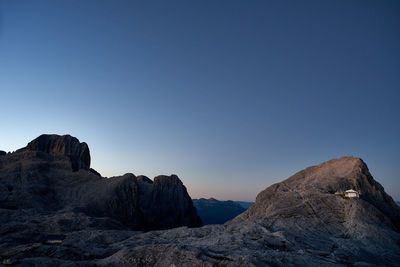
(245,204)
(56,211)
(212,211)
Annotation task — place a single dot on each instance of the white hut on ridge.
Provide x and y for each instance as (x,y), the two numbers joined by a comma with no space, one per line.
(351,194)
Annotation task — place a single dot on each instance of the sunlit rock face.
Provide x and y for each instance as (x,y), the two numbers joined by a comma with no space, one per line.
(311,211)
(313,194)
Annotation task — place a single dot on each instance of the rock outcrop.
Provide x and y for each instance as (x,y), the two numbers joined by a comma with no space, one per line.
(312,191)
(39,178)
(168,204)
(311,210)
(64,145)
(298,222)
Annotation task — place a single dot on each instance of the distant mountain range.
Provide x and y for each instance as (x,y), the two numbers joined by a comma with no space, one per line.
(245,204)
(212,211)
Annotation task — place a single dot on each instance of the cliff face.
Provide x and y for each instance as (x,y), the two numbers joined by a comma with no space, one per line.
(64,145)
(169,203)
(39,178)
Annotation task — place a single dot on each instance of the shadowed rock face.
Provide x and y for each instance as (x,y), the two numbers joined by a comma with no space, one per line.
(39,178)
(65,145)
(170,200)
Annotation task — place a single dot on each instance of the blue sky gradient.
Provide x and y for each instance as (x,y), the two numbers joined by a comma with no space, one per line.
(230,95)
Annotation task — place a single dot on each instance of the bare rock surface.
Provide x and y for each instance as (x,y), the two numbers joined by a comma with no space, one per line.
(306,208)
(65,145)
(52,216)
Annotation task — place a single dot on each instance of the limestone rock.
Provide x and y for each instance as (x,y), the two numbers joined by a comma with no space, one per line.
(62,145)
(39,178)
(165,202)
(298,222)
(306,208)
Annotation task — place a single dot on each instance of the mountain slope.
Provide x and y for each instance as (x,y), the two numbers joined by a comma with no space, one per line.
(307,209)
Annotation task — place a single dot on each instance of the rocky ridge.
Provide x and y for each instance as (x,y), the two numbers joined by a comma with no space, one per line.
(300,221)
(39,179)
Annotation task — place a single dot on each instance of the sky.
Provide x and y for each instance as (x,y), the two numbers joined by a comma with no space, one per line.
(232,96)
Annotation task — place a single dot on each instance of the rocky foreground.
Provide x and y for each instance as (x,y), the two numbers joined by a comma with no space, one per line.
(56,212)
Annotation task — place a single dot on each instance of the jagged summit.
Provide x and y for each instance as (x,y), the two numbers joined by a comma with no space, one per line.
(65,145)
(39,178)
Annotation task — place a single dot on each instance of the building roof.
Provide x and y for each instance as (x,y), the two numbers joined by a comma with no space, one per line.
(351,191)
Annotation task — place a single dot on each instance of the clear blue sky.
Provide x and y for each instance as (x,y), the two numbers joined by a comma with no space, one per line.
(230,95)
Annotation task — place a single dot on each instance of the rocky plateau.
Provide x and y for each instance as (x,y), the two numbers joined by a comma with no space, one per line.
(56,211)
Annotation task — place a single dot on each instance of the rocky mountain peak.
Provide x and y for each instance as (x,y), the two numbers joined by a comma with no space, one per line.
(318,192)
(65,145)
(333,175)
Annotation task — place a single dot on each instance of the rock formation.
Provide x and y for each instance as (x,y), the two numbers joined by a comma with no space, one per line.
(52,216)
(306,208)
(39,178)
(212,211)
(65,145)
(312,191)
